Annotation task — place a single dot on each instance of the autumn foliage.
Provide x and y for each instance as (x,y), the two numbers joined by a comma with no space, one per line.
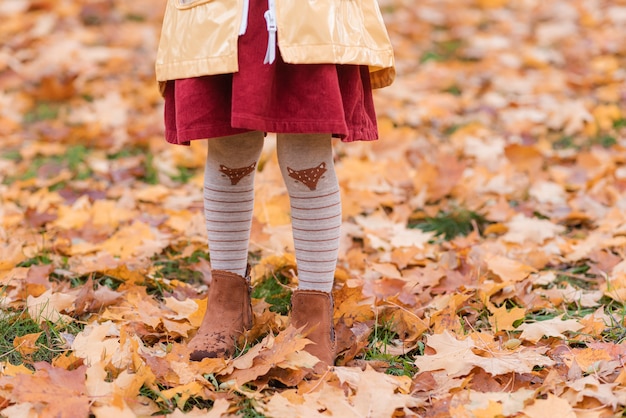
(482,272)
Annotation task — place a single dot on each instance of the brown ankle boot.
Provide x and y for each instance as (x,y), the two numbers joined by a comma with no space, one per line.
(313,310)
(228,315)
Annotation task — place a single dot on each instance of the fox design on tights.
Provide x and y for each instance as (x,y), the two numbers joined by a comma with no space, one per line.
(309,177)
(236,174)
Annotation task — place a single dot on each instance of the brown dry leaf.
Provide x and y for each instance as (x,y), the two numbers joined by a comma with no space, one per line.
(47,386)
(175,368)
(352,305)
(588,359)
(282,351)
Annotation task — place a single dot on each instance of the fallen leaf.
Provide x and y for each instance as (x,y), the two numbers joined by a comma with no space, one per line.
(550,407)
(447,346)
(47,386)
(554,327)
(26,345)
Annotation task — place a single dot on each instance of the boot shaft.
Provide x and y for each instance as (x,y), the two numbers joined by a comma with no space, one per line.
(313,310)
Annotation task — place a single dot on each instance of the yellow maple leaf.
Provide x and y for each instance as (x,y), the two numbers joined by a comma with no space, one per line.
(10,369)
(502,319)
(184,392)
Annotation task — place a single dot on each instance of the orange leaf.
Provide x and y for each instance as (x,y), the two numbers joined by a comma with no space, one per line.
(57,392)
(26,344)
(269,353)
(508,269)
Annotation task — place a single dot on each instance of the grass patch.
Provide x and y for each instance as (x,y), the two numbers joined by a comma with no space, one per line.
(619,123)
(450,224)
(170,266)
(101,279)
(275,291)
(38,260)
(247,409)
(42,111)
(151,175)
(615,332)
(454,90)
(184,175)
(577,143)
(13,155)
(442,51)
(49,344)
(605,141)
(73,160)
(168,406)
(382,337)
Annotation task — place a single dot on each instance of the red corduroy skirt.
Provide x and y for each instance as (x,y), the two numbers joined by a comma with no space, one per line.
(278,97)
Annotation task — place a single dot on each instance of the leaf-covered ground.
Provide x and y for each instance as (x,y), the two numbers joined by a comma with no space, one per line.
(482,268)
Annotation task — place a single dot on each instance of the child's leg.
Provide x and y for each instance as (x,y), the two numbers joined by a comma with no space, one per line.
(228,200)
(306,162)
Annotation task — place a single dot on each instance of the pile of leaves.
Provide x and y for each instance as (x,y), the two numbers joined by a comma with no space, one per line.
(482,268)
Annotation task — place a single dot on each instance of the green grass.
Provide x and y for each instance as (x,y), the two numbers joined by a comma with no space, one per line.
(40,259)
(383,336)
(454,90)
(184,175)
(50,343)
(605,140)
(168,406)
(43,110)
(442,51)
(619,123)
(170,266)
(73,160)
(151,174)
(246,406)
(275,292)
(450,224)
(247,409)
(13,155)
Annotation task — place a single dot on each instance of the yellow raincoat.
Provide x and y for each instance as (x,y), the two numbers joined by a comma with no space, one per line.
(199,37)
